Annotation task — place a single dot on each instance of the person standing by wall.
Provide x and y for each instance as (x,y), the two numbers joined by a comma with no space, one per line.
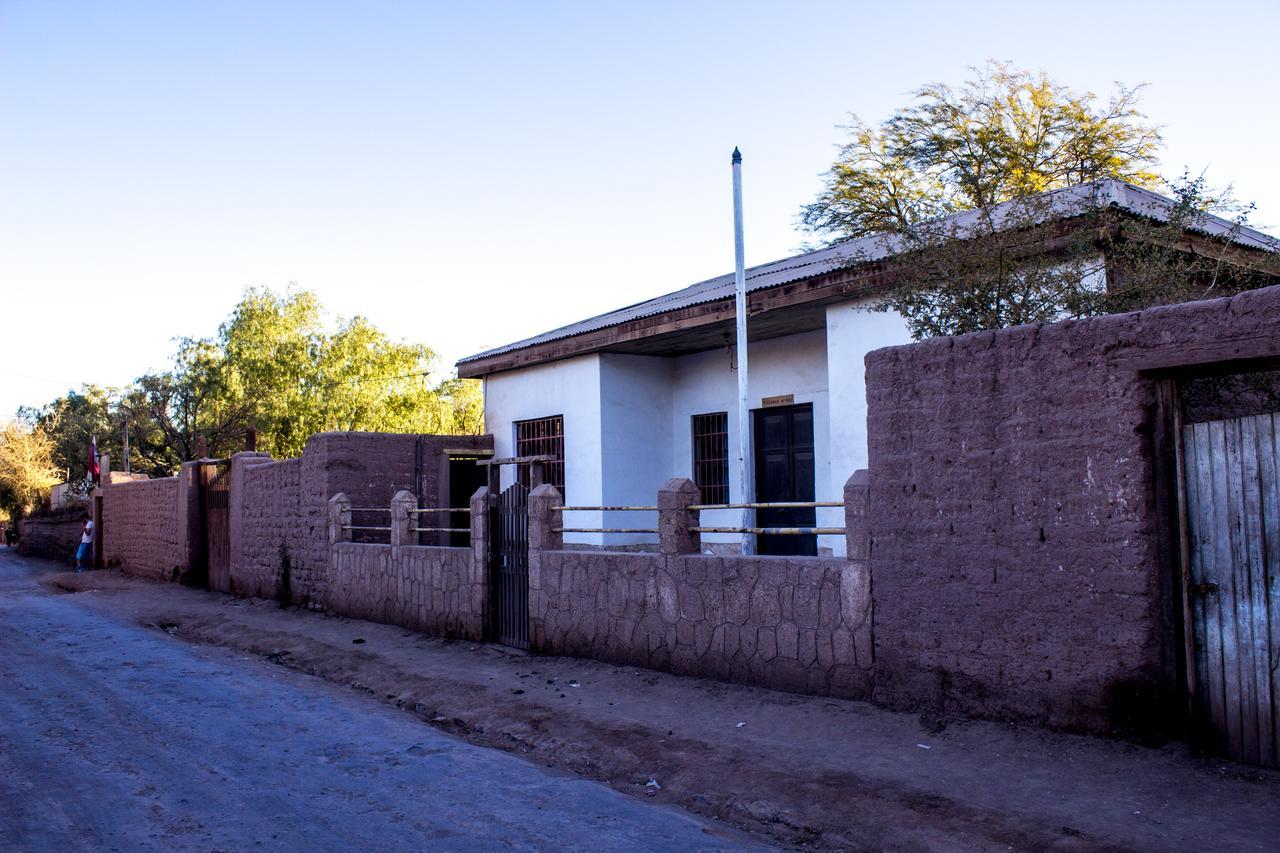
(84,554)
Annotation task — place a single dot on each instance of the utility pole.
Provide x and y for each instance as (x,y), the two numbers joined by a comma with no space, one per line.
(745,490)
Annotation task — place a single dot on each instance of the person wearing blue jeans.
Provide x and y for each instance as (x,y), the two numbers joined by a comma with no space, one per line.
(84,554)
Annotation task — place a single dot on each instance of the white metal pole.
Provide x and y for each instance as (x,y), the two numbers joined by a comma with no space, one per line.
(745,490)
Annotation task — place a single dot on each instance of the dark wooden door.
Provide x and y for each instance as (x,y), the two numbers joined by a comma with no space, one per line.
(1232,488)
(465,477)
(785,472)
(509,572)
(215,499)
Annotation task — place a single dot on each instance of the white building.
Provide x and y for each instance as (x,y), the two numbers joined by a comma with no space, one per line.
(631,398)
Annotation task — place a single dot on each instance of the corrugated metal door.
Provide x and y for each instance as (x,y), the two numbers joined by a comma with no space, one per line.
(1233,535)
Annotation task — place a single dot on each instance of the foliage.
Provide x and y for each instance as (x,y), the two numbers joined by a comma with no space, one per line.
(72,421)
(274,367)
(1004,135)
(26,467)
(998,146)
(1032,260)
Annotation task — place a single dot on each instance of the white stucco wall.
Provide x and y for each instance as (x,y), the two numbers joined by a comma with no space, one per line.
(627,419)
(852,332)
(704,382)
(635,397)
(570,388)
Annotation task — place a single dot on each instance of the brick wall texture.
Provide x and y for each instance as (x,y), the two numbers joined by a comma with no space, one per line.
(798,624)
(1013,512)
(141,528)
(429,589)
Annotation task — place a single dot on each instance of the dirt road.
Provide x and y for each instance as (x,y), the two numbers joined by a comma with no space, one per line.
(117,737)
(794,770)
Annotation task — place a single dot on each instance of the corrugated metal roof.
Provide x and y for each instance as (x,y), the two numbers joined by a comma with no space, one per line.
(1057,204)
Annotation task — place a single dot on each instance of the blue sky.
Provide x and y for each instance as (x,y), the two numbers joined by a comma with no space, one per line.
(468,174)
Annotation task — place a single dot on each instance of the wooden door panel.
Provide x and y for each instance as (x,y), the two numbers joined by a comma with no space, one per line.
(1233,518)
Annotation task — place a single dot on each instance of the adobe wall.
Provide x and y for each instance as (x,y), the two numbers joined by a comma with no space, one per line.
(142,528)
(797,624)
(279,507)
(1016,526)
(421,588)
(55,537)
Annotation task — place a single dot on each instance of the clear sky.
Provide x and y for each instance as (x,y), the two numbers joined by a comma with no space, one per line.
(467,174)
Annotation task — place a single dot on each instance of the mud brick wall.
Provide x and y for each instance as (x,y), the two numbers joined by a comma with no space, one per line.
(284,503)
(421,588)
(56,537)
(797,624)
(142,528)
(275,527)
(1014,519)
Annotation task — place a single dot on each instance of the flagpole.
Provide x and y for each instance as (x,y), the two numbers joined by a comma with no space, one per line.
(740,312)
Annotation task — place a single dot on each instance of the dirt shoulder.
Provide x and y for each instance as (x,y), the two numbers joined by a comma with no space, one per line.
(796,770)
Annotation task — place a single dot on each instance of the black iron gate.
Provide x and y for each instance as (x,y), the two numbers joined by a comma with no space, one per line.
(509,523)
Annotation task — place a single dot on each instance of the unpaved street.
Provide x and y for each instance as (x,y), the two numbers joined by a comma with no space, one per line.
(795,770)
(116,737)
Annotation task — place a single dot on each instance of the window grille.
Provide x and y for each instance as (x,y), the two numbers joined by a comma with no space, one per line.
(711,456)
(542,437)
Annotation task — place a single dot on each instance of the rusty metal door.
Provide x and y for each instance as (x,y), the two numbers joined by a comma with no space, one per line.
(215,500)
(509,571)
(1232,503)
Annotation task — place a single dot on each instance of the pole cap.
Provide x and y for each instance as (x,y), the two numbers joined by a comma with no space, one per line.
(737,155)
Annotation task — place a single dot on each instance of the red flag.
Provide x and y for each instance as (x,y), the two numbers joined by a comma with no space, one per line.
(94,471)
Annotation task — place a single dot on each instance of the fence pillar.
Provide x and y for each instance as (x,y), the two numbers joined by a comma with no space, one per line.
(543,519)
(481,501)
(403,519)
(339,514)
(675,520)
(857,506)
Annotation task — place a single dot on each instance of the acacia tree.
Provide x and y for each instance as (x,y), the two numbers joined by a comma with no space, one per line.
(997,146)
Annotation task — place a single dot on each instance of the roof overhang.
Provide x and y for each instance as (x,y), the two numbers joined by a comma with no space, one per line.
(790,296)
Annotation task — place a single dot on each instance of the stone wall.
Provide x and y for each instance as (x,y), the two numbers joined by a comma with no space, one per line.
(55,536)
(142,524)
(789,623)
(798,624)
(421,588)
(1018,521)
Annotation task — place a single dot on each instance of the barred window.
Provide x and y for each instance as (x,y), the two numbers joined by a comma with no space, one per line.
(711,456)
(542,437)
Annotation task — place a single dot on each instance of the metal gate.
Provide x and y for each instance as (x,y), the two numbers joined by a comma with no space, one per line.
(215,501)
(1232,503)
(509,523)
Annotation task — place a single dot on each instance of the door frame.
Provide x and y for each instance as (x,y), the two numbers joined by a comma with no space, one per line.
(1172,530)
(756,415)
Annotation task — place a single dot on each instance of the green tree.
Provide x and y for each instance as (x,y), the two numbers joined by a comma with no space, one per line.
(1003,135)
(275,367)
(295,377)
(72,421)
(996,146)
